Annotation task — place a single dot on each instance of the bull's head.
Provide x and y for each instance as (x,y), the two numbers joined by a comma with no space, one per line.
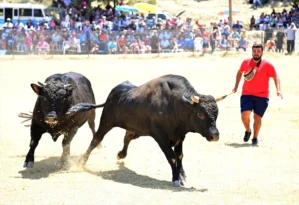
(204,115)
(55,98)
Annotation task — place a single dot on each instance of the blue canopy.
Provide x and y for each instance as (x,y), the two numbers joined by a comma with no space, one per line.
(126,8)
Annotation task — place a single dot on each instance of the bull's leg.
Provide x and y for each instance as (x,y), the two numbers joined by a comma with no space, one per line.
(128,137)
(36,134)
(179,157)
(66,144)
(97,138)
(171,158)
(91,121)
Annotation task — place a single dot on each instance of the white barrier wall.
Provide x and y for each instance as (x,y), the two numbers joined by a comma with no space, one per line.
(297,41)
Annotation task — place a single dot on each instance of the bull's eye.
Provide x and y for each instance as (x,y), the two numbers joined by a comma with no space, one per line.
(201,116)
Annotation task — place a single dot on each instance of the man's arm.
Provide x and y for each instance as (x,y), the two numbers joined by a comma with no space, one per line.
(238,78)
(277,85)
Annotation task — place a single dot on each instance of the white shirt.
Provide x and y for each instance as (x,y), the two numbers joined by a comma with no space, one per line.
(7,25)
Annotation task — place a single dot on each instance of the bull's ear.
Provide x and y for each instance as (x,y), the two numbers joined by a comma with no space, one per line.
(36,88)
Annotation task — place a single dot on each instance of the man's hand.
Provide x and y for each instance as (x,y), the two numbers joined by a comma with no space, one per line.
(235,89)
(279,94)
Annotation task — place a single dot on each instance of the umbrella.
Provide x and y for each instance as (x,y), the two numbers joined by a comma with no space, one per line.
(147,8)
(126,8)
(226,13)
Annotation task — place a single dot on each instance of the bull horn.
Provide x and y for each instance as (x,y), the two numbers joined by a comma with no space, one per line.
(195,98)
(41,84)
(67,85)
(223,97)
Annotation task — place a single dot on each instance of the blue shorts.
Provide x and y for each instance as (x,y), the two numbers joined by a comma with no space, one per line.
(257,104)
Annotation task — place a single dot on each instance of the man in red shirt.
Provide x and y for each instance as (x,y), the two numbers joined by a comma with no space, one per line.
(255,91)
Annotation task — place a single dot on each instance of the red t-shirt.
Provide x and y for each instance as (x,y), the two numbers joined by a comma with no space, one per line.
(259,85)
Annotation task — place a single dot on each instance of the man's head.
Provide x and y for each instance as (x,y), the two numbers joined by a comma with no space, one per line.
(257,51)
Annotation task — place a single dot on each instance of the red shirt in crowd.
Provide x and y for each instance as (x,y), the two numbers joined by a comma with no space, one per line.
(259,85)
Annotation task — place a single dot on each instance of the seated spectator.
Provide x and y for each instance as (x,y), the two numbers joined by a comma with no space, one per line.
(56,41)
(182,43)
(42,46)
(223,43)
(83,39)
(73,43)
(164,43)
(103,47)
(21,46)
(121,45)
(233,38)
(174,45)
(271,45)
(144,48)
(256,3)
(112,46)
(242,43)
(198,43)
(134,47)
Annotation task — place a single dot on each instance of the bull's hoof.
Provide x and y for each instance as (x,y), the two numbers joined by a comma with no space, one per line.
(82,161)
(121,155)
(63,165)
(183,178)
(28,164)
(178,183)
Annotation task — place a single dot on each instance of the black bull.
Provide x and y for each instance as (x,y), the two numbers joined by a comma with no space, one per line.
(55,97)
(166,108)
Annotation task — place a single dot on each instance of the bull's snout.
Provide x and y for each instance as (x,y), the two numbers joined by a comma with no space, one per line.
(213,135)
(51,118)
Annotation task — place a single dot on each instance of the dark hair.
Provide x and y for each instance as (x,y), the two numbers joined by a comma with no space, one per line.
(258,45)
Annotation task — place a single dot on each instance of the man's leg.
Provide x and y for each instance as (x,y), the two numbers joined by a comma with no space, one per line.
(260,107)
(246,120)
(256,125)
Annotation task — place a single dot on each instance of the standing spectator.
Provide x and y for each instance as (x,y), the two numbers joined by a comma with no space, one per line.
(268,33)
(213,36)
(29,42)
(155,43)
(205,40)
(291,38)
(238,26)
(280,35)
(56,41)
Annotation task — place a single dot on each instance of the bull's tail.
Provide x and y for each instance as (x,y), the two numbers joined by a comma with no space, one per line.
(83,107)
(26,116)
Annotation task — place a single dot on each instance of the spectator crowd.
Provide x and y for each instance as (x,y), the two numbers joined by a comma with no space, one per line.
(106,31)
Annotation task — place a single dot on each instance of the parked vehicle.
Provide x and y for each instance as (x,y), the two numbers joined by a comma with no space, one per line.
(22,11)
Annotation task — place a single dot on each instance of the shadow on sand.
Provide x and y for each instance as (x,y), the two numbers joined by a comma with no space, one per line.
(43,168)
(127,176)
(239,145)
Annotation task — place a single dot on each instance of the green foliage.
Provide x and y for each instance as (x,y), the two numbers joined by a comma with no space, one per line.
(152,2)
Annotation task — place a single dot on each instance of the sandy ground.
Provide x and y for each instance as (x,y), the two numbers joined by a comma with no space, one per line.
(224,172)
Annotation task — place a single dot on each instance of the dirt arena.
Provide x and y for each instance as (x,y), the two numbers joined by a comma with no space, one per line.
(224,172)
